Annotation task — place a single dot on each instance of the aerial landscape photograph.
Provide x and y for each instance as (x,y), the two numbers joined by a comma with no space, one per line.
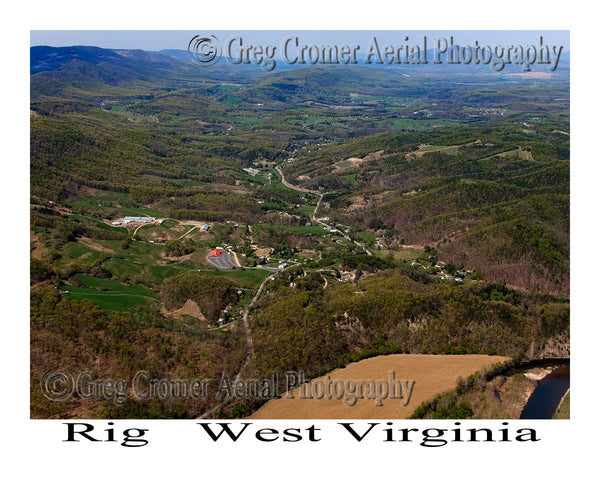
(300,225)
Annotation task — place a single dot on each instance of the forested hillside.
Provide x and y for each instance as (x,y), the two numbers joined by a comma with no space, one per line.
(196,222)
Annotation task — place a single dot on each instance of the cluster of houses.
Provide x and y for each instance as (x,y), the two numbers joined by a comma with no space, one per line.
(439,267)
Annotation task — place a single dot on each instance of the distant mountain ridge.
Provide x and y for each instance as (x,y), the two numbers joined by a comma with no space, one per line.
(144,63)
(91,67)
(43,58)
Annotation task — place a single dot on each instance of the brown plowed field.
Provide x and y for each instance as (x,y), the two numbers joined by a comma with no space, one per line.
(432,374)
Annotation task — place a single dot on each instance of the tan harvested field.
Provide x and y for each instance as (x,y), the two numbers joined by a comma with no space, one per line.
(263,252)
(431,374)
(423,149)
(190,308)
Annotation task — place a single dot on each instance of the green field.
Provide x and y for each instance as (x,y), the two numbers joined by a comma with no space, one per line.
(116,203)
(101,224)
(113,295)
(312,230)
(109,294)
(365,236)
(242,277)
(518,152)
(351,178)
(77,253)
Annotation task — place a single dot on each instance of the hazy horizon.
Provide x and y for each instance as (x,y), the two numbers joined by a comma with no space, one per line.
(156,40)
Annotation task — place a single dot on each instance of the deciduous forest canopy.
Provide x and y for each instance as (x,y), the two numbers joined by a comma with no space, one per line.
(395,213)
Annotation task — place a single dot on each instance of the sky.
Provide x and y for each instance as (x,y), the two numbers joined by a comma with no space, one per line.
(155,40)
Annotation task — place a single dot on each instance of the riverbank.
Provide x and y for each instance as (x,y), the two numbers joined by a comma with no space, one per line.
(563,412)
(502,396)
(507,396)
(538,374)
(550,391)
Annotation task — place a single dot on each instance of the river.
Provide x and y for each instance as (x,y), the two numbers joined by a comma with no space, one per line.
(545,399)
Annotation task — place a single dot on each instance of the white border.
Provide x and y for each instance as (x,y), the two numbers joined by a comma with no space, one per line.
(36,447)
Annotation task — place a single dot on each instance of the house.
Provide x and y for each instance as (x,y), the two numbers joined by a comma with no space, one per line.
(204,228)
(215,253)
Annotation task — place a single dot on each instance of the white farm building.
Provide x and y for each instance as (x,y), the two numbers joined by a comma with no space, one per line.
(138,219)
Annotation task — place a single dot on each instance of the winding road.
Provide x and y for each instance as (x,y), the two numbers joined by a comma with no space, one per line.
(250,349)
(247,331)
(246,313)
(314,214)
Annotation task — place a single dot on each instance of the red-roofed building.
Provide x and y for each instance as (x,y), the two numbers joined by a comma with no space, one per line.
(215,253)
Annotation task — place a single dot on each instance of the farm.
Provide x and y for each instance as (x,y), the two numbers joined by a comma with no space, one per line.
(422,376)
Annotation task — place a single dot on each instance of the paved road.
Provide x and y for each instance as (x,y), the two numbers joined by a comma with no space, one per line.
(314,215)
(294,187)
